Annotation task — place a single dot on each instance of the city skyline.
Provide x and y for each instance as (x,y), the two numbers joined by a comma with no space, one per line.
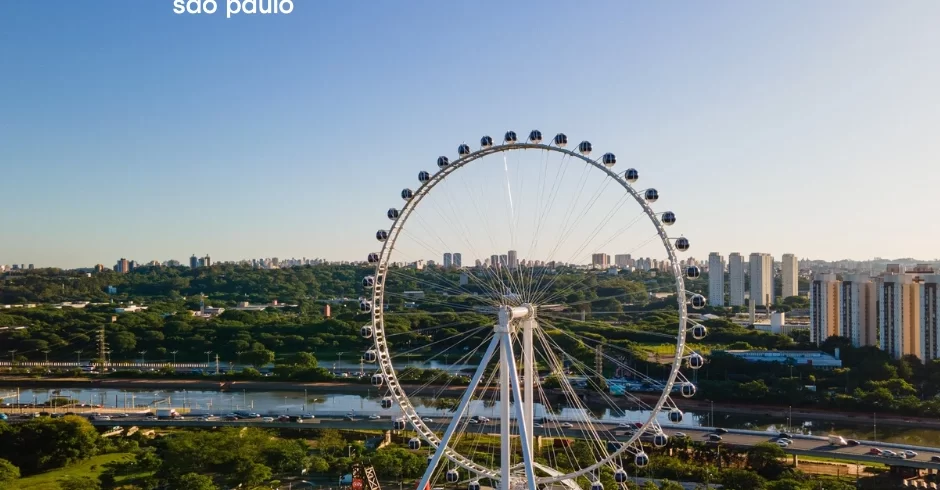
(274,123)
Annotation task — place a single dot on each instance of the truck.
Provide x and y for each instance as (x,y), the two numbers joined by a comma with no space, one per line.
(167,413)
(835,440)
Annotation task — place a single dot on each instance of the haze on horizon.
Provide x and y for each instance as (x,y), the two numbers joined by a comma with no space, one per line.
(127,131)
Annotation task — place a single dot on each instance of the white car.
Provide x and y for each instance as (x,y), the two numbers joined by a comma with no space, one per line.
(889,453)
(537,425)
(427,419)
(567,425)
(267,419)
(375,416)
(910,454)
(785,441)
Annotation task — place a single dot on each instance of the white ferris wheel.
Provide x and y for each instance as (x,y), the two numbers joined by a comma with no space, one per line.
(532,215)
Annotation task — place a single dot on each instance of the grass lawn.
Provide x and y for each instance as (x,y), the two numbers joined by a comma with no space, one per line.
(90,468)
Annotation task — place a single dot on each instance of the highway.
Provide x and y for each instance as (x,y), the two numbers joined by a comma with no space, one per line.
(802,445)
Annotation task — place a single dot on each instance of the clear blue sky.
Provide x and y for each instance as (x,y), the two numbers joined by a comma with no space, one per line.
(128,131)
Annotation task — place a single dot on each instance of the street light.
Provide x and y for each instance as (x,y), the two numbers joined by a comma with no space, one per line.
(12,357)
(208,359)
(174,355)
(142,353)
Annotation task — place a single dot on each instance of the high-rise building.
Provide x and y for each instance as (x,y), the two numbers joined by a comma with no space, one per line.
(600,261)
(478,263)
(762,279)
(193,262)
(513,257)
(898,315)
(790,276)
(123,266)
(930,317)
(208,261)
(458,260)
(858,306)
(736,279)
(623,260)
(494,261)
(716,279)
(504,260)
(448,260)
(823,307)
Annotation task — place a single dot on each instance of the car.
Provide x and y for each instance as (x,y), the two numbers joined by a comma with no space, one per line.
(231,418)
(888,453)
(375,416)
(267,419)
(473,421)
(900,456)
(721,431)
(935,459)
(625,426)
(308,416)
(853,442)
(874,451)
(537,426)
(782,444)
(714,438)
(784,435)
(567,425)
(427,419)
(910,454)
(123,415)
(783,440)
(151,418)
(680,434)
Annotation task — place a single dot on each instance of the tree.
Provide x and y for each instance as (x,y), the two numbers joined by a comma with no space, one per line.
(194,481)
(8,472)
(258,357)
(670,485)
(250,473)
(79,483)
(765,459)
(738,479)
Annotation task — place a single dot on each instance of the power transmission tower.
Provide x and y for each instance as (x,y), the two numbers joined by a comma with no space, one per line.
(102,348)
(599,360)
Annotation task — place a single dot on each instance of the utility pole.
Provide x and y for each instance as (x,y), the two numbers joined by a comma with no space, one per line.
(79,352)
(208,359)
(174,355)
(46,352)
(12,357)
(142,353)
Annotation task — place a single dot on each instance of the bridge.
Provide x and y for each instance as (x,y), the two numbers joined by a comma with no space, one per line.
(811,446)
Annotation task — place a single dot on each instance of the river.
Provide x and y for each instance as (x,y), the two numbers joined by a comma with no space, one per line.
(288,402)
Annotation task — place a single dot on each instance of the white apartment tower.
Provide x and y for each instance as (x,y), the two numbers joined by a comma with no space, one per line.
(858,305)
(790,272)
(736,279)
(762,279)
(823,307)
(929,315)
(898,308)
(513,258)
(458,260)
(716,279)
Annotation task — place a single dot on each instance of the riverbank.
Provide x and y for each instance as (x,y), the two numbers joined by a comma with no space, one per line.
(697,406)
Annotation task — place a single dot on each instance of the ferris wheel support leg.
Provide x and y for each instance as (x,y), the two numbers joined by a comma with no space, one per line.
(505,450)
(525,430)
(528,374)
(458,414)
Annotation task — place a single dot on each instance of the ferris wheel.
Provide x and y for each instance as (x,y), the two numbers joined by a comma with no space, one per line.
(543,336)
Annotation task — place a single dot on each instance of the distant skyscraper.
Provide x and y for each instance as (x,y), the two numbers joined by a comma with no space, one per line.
(208,261)
(448,260)
(513,258)
(123,266)
(716,279)
(494,261)
(930,317)
(600,261)
(790,276)
(823,307)
(622,260)
(762,279)
(858,305)
(478,263)
(899,315)
(458,260)
(736,279)
(504,260)
(30,266)
(193,262)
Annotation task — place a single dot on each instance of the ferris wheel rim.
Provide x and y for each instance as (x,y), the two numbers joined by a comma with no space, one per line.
(383,356)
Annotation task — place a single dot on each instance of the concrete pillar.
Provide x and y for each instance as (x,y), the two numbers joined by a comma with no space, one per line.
(796,461)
